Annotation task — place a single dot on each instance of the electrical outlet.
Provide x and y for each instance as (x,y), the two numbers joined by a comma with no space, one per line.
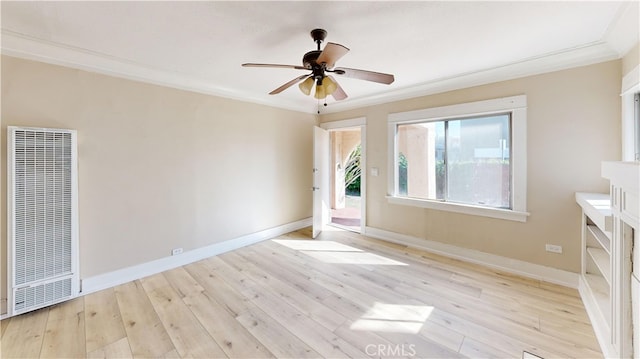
(553,248)
(176,251)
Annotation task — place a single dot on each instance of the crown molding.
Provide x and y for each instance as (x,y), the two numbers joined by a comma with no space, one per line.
(576,57)
(26,47)
(622,34)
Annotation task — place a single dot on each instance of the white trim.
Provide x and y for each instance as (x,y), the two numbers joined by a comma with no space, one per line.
(589,54)
(124,275)
(598,322)
(344,124)
(361,124)
(517,106)
(514,266)
(630,86)
(622,33)
(31,48)
(631,81)
(363,178)
(477,108)
(461,208)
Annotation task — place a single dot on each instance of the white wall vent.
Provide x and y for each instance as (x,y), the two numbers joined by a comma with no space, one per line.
(42,217)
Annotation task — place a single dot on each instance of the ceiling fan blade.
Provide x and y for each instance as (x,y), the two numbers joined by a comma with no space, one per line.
(331,53)
(365,75)
(288,84)
(339,93)
(275,66)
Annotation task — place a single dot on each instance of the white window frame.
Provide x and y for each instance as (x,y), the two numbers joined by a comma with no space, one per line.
(630,86)
(517,107)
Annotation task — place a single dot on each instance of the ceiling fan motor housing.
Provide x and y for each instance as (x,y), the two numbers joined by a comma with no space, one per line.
(309,59)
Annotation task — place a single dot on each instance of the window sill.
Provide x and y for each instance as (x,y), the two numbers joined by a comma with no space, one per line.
(506,214)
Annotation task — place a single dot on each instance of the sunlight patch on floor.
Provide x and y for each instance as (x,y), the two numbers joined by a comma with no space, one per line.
(337,253)
(393,318)
(310,245)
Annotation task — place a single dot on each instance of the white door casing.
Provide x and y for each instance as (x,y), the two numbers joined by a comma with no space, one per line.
(361,124)
(321,206)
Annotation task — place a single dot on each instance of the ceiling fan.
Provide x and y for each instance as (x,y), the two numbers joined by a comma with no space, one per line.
(321,62)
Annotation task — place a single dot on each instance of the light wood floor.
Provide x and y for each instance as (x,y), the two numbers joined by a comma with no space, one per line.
(342,296)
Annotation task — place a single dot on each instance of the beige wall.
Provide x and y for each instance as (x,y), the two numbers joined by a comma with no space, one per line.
(161,168)
(573,125)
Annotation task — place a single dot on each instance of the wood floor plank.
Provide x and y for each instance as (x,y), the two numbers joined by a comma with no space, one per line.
(422,347)
(103,323)
(234,339)
(183,282)
(231,336)
(24,334)
(187,334)
(339,295)
(115,350)
(145,332)
(442,335)
(317,337)
(556,309)
(3,326)
(210,277)
(369,342)
(475,349)
(278,339)
(64,335)
(579,333)
(295,296)
(297,278)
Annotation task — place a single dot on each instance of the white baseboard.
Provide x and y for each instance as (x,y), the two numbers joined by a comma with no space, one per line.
(124,275)
(526,269)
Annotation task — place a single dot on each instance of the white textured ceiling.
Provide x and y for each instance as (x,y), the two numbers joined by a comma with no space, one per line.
(428,46)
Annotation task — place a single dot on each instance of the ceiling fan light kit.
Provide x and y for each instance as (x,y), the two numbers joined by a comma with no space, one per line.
(319,62)
(306,85)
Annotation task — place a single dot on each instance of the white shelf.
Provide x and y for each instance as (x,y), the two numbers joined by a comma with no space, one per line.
(597,206)
(602,238)
(600,292)
(602,260)
(597,262)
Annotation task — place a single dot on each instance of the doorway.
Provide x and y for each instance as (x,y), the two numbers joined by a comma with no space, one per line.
(340,179)
(346,178)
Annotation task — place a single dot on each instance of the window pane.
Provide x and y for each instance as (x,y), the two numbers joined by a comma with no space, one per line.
(478,169)
(421,160)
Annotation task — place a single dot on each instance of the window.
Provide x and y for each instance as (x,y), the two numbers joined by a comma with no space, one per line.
(468,158)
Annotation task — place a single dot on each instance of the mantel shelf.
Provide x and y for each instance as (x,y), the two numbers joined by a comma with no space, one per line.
(597,206)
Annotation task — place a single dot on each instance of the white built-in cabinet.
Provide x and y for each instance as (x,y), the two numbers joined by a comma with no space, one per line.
(610,265)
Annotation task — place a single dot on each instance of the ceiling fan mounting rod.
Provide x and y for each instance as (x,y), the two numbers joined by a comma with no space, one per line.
(318,36)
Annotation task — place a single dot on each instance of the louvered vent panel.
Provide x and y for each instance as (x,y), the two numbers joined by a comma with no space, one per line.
(29,298)
(42,218)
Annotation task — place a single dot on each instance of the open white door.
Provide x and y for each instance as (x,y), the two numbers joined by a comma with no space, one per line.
(320,179)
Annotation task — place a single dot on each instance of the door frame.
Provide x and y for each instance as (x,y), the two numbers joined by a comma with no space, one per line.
(320,189)
(359,123)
